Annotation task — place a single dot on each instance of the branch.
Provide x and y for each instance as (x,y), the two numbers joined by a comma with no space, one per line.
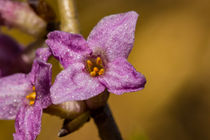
(70,126)
(68,16)
(106,124)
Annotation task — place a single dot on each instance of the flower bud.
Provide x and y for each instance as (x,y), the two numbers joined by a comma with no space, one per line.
(69,110)
(20,15)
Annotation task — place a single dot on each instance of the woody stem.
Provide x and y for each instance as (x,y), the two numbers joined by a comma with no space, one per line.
(68,16)
(106,124)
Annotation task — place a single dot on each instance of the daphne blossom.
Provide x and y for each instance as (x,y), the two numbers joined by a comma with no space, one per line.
(97,64)
(24,96)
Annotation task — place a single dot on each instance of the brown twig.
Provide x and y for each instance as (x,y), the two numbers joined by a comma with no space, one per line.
(106,124)
(68,16)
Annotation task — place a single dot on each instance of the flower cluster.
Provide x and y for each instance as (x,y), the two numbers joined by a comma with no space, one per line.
(90,68)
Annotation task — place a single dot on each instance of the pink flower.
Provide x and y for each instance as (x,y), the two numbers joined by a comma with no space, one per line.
(24,96)
(97,64)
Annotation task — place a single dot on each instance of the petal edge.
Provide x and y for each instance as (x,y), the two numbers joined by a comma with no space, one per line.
(115,34)
(122,77)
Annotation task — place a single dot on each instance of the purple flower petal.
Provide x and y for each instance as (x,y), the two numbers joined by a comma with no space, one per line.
(7,14)
(74,84)
(115,34)
(43,54)
(10,56)
(34,70)
(13,90)
(18,137)
(121,77)
(67,47)
(43,83)
(28,122)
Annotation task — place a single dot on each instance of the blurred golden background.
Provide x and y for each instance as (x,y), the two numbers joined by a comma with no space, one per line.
(172,49)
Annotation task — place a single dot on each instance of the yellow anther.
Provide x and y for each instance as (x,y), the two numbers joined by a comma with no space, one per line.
(95,66)
(89,63)
(95,69)
(34,88)
(98,61)
(101,72)
(31,102)
(93,73)
(31,97)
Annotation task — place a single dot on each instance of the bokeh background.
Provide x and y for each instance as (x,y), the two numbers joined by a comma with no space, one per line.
(172,49)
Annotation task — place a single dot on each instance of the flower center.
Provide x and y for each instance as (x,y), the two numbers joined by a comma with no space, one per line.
(31,97)
(95,66)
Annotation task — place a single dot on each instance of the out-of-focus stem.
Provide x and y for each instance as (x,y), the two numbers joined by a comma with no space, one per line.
(68,16)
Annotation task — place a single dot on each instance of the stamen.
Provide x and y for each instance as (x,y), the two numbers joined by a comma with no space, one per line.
(98,61)
(101,72)
(95,69)
(93,73)
(31,102)
(31,97)
(95,66)
(34,88)
(90,64)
